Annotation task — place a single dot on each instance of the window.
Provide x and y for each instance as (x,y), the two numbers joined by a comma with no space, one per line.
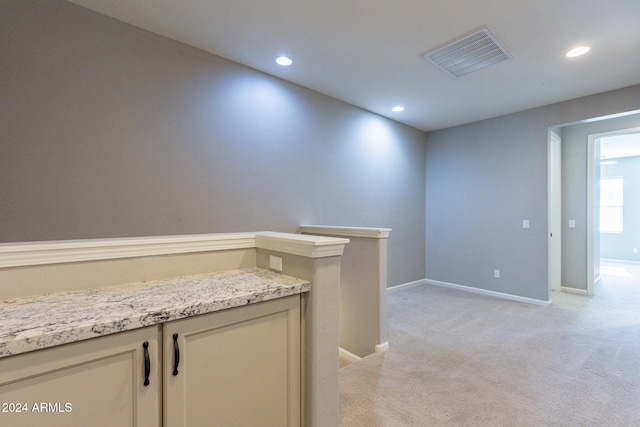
(611,190)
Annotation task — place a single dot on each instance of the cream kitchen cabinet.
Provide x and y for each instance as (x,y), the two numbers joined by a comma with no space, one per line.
(234,367)
(237,367)
(99,382)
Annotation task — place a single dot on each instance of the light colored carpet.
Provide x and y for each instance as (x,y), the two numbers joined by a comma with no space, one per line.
(463,359)
(343,362)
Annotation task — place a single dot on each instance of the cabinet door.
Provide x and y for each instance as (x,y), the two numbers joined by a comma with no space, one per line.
(97,382)
(238,367)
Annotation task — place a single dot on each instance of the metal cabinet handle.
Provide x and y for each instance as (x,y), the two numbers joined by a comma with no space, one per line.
(147,363)
(176,355)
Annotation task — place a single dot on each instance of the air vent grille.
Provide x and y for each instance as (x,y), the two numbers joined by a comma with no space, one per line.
(469,53)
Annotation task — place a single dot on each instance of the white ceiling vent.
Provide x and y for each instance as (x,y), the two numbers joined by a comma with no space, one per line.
(469,53)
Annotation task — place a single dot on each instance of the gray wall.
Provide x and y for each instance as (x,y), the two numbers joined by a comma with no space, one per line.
(110,131)
(620,245)
(574,195)
(483,179)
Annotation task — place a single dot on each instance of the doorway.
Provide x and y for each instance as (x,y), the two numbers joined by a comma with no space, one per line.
(620,281)
(613,237)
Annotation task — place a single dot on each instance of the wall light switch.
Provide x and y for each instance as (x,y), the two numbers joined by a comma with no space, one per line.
(496,274)
(635,250)
(525,223)
(572,223)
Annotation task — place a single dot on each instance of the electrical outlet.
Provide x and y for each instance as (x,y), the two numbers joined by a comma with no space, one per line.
(275,263)
(525,223)
(496,274)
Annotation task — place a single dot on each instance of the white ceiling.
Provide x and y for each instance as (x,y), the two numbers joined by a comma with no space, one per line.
(368,52)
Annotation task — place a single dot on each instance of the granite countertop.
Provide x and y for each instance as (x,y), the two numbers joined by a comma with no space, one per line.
(38,322)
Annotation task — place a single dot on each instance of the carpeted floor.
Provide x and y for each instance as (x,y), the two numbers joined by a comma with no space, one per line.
(463,359)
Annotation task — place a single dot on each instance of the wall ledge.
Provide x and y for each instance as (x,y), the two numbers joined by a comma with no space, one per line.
(299,244)
(369,232)
(25,254)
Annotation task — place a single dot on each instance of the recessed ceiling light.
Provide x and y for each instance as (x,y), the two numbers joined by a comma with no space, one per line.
(578,51)
(285,61)
(397,108)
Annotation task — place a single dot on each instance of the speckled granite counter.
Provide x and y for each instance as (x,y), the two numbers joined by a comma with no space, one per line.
(28,324)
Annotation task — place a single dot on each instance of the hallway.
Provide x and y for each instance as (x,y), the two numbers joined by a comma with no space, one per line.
(463,359)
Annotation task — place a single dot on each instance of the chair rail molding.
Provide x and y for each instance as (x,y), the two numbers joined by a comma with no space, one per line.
(24,254)
(368,232)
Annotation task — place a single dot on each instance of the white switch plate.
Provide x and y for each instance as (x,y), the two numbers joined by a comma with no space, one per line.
(496,274)
(525,223)
(635,250)
(572,223)
(275,263)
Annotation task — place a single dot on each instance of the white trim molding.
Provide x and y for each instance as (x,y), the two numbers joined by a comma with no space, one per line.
(488,292)
(66,251)
(369,232)
(382,347)
(299,244)
(63,251)
(406,285)
(467,289)
(574,291)
(347,355)
(620,261)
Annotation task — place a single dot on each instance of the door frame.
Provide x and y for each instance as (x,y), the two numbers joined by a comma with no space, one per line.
(593,175)
(554,171)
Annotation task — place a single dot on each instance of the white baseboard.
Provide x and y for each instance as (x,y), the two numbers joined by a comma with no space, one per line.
(574,291)
(468,289)
(489,293)
(407,285)
(381,348)
(347,355)
(621,261)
